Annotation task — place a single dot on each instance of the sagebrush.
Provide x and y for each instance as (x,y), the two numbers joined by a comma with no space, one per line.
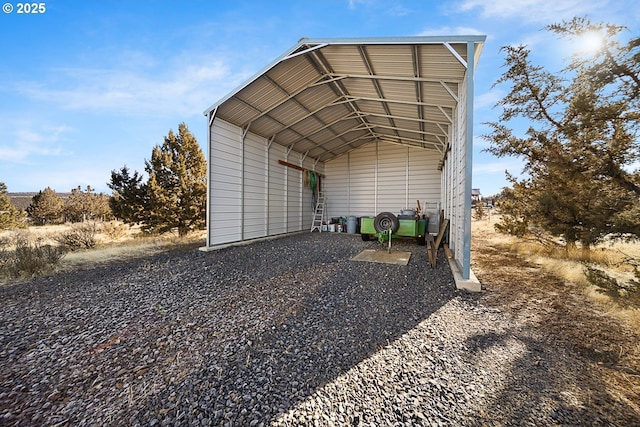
(21,255)
(79,236)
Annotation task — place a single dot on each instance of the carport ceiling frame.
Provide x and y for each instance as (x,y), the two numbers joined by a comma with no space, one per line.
(325,97)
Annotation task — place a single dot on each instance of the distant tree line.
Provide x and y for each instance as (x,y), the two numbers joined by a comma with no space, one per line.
(172,198)
(48,207)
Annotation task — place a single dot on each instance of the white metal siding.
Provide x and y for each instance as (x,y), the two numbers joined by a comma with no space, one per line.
(361,180)
(454,184)
(225,178)
(381,177)
(308,206)
(337,187)
(277,191)
(255,188)
(392,178)
(294,194)
(251,194)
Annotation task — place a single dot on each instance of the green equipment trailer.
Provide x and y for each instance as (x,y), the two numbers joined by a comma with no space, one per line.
(387,226)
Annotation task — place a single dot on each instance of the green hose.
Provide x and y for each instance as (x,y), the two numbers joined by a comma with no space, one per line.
(312,180)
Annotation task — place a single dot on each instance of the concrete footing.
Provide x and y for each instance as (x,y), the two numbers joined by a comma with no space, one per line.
(472,284)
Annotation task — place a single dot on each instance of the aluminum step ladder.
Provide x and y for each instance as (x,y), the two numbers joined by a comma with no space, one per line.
(318,216)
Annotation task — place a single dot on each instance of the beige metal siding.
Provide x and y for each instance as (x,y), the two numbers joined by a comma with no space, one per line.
(382,177)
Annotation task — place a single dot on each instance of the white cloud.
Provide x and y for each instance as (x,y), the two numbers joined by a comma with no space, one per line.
(540,11)
(354,3)
(488,100)
(185,85)
(447,31)
(23,139)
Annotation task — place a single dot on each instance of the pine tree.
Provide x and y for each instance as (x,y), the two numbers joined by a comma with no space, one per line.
(176,189)
(129,196)
(85,205)
(10,216)
(582,144)
(46,207)
(77,207)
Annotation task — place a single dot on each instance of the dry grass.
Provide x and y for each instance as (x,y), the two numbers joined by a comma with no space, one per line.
(611,257)
(111,246)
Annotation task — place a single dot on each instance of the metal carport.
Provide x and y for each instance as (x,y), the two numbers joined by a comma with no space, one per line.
(387,120)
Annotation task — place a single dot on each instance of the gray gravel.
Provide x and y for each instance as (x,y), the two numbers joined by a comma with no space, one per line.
(279,332)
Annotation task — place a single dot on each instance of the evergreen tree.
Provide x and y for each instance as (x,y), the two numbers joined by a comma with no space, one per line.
(10,216)
(77,207)
(85,205)
(100,207)
(129,196)
(582,144)
(177,188)
(46,207)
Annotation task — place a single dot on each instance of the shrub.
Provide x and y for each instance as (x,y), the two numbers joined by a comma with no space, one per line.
(22,256)
(79,236)
(114,230)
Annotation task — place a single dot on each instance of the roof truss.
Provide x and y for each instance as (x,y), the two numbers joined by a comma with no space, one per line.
(324,98)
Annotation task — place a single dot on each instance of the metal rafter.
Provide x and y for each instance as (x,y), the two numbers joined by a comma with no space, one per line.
(369,108)
(419,143)
(276,104)
(415,59)
(349,116)
(322,65)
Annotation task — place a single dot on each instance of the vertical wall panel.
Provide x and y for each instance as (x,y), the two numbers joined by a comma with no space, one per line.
(255,187)
(382,177)
(454,190)
(251,194)
(277,191)
(362,182)
(294,194)
(225,178)
(308,201)
(392,178)
(424,185)
(337,187)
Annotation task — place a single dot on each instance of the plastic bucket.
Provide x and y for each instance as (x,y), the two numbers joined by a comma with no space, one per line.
(352,224)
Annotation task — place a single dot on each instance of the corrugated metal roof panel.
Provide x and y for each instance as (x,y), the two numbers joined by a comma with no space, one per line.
(326,96)
(390,60)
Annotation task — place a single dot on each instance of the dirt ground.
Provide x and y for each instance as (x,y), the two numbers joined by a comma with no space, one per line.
(560,310)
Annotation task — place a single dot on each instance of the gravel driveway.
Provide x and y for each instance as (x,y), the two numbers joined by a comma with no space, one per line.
(280,332)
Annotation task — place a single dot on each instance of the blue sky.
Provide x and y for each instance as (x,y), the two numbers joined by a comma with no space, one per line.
(88,86)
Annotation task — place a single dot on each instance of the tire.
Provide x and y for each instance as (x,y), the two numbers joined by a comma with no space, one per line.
(365,237)
(421,240)
(385,221)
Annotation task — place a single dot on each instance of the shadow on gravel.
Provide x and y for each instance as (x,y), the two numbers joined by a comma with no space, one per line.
(547,385)
(322,315)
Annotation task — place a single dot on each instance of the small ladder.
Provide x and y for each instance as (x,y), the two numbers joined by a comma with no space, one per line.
(318,216)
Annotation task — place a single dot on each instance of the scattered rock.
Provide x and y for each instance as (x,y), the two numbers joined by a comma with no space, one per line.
(280,332)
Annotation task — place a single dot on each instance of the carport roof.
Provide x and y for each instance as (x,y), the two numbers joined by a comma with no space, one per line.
(325,97)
